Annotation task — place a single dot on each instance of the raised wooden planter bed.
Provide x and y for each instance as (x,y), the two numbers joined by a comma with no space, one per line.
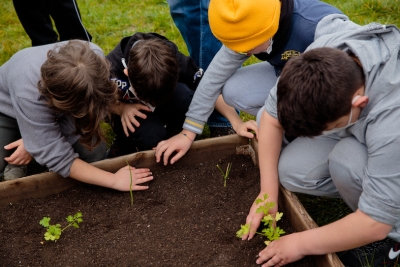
(46,184)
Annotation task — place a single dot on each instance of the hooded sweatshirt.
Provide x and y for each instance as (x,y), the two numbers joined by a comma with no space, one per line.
(306,16)
(378,127)
(188,70)
(47,136)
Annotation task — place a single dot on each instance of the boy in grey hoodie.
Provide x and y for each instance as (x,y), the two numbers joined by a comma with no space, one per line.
(341,98)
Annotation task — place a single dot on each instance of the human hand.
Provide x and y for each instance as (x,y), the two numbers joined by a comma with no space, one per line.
(128,113)
(179,143)
(244,127)
(254,218)
(281,252)
(20,155)
(139,176)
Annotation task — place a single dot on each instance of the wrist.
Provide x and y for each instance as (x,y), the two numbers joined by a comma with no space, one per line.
(188,134)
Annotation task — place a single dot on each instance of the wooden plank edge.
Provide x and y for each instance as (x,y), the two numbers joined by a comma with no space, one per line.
(47,183)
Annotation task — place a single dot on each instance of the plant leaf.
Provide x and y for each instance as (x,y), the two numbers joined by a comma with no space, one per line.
(278,216)
(45,222)
(244,229)
(222,172)
(228,170)
(258,201)
(268,218)
(70,219)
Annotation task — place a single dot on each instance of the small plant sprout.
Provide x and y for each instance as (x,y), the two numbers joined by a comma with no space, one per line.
(270,231)
(225,174)
(130,186)
(54,231)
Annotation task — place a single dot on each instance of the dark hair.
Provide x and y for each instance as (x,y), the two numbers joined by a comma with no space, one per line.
(153,70)
(316,88)
(75,80)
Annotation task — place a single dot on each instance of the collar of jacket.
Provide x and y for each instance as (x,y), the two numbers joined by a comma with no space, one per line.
(282,35)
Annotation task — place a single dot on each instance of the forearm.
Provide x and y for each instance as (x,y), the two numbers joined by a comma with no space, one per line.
(227,111)
(269,143)
(354,230)
(224,64)
(89,174)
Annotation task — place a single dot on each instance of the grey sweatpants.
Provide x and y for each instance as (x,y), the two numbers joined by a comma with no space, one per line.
(248,88)
(326,166)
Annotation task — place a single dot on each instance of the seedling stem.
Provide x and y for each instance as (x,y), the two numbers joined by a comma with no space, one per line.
(225,174)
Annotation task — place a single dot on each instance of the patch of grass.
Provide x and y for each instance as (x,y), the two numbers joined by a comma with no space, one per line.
(324,210)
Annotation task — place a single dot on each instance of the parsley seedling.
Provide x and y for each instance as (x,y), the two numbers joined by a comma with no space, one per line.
(270,231)
(54,231)
(225,174)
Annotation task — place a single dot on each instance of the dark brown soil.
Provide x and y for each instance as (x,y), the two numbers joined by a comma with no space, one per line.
(186,218)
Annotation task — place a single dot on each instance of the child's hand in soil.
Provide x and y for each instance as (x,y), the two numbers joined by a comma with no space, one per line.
(128,113)
(254,217)
(20,155)
(283,251)
(179,143)
(139,176)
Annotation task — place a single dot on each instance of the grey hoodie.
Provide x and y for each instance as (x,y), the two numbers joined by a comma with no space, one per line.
(378,127)
(47,138)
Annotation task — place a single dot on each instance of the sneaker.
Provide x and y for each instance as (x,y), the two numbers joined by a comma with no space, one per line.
(384,253)
(12,172)
(221,131)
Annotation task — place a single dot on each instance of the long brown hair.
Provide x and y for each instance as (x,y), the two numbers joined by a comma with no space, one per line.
(75,80)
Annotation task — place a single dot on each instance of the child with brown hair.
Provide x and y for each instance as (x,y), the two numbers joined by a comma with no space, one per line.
(341,98)
(157,83)
(54,97)
(271,30)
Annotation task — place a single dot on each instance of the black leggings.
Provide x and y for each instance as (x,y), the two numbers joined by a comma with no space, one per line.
(35,18)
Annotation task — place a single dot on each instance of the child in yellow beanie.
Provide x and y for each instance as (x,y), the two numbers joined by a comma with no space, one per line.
(273,31)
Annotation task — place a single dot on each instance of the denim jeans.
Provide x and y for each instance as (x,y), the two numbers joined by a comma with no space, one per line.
(191,18)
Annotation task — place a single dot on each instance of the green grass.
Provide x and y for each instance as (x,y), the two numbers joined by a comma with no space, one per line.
(109,21)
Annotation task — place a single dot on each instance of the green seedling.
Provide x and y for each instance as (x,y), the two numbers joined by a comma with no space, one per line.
(54,231)
(271,231)
(225,174)
(130,186)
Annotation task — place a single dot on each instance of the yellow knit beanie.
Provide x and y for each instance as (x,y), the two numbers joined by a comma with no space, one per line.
(243,25)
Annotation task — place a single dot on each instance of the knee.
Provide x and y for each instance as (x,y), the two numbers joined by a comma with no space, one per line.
(286,176)
(230,97)
(347,161)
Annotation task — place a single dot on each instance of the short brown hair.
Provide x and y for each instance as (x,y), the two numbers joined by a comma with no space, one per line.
(316,88)
(153,70)
(75,80)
